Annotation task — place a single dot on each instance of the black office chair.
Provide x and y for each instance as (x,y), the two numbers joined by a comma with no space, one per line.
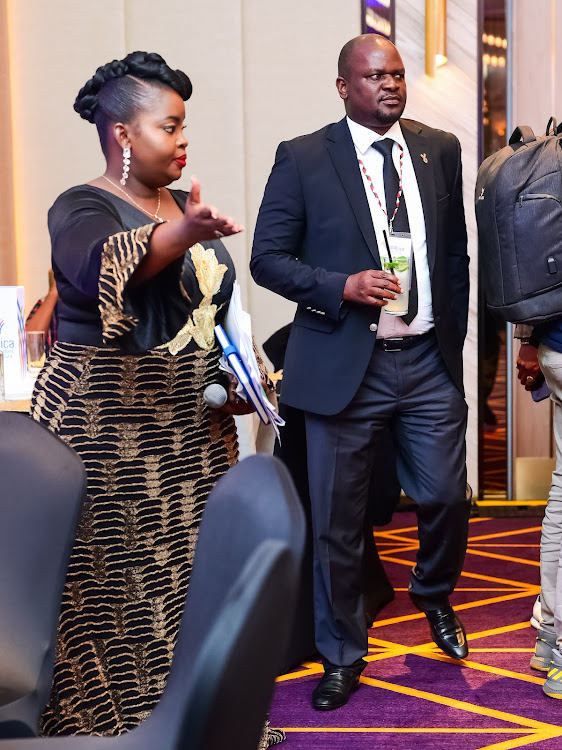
(254,502)
(235,672)
(42,485)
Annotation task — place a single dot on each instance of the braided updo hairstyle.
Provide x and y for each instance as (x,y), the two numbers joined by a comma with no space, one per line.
(117,91)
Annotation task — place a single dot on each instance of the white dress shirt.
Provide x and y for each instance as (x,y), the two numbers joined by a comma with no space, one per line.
(392,326)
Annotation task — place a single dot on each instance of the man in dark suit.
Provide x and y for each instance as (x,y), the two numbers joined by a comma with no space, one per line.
(361,374)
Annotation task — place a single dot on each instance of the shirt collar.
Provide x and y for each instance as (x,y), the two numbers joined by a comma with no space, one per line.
(363,137)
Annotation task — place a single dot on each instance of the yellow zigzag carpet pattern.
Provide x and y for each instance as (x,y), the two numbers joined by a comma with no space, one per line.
(412,695)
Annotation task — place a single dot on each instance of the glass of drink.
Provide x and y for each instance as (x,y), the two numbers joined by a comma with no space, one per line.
(399,266)
(35,348)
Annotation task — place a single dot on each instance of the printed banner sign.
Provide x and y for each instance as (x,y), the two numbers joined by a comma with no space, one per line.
(12,342)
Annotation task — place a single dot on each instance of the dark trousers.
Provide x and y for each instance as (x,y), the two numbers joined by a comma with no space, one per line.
(408,395)
(377,589)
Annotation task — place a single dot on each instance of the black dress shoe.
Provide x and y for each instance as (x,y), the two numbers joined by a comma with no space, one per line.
(448,632)
(334,688)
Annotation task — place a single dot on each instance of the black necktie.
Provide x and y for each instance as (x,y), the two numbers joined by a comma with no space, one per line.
(400,222)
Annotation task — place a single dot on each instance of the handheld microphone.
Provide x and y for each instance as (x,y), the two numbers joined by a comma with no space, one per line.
(215,396)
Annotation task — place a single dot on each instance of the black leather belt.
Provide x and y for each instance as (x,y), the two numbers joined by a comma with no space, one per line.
(405,342)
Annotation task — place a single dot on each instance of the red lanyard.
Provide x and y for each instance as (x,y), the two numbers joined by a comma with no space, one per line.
(399,195)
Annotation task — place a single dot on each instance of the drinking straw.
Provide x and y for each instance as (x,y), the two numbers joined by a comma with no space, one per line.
(390,258)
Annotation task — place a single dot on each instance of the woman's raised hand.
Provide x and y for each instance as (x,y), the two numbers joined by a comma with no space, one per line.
(203,221)
(171,239)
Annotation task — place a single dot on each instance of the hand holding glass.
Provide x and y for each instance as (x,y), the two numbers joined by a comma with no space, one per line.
(35,348)
(400,267)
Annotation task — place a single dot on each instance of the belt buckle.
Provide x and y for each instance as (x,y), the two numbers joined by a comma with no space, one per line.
(388,349)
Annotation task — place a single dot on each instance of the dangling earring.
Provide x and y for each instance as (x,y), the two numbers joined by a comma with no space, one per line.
(126,162)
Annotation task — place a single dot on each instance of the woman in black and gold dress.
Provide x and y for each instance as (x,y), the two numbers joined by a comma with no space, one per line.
(142,280)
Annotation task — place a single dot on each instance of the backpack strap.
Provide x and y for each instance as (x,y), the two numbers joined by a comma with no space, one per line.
(554,122)
(523,133)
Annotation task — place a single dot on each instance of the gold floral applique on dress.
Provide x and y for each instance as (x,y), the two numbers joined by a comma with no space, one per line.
(201,325)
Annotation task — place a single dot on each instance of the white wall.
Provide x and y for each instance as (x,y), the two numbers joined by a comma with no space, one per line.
(537,94)
(450,102)
(259,72)
(51,57)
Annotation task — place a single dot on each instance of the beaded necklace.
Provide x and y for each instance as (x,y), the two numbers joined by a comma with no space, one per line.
(398,196)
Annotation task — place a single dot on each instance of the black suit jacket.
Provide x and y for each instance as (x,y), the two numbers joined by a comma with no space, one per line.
(314,229)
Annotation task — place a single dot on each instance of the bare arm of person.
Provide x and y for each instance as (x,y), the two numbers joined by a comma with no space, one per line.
(41,318)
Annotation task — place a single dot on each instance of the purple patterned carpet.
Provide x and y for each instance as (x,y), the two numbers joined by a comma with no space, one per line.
(412,695)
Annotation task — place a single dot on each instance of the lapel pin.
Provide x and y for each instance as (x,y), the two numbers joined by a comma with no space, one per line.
(424,157)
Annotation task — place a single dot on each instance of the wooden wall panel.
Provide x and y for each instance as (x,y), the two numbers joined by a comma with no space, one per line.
(8,270)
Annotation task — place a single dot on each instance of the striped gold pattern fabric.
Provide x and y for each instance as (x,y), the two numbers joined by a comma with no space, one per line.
(152,451)
(120,257)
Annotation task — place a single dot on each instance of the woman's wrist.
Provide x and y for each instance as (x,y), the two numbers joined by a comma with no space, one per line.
(172,236)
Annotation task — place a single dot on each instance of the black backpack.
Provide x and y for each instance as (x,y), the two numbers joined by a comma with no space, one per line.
(519,216)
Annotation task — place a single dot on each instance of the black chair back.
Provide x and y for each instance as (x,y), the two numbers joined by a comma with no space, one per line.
(236,667)
(42,486)
(253,503)
(232,677)
(255,500)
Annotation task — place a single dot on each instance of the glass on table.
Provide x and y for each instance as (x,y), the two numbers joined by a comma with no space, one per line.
(35,350)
